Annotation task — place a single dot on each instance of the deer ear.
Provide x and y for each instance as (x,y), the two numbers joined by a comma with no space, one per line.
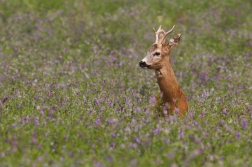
(174,41)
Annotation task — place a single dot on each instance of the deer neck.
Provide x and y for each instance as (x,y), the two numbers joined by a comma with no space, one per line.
(167,82)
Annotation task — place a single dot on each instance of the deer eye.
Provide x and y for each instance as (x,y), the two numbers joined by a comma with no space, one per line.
(156,53)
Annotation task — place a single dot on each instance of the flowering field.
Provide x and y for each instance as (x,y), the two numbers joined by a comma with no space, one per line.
(72,92)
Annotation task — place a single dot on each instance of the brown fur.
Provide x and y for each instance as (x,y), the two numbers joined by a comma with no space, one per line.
(170,90)
(171,94)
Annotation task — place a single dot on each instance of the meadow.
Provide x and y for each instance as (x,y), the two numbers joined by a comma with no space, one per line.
(72,92)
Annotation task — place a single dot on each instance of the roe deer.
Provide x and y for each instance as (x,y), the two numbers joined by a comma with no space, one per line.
(158,58)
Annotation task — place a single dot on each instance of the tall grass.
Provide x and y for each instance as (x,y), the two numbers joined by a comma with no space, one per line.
(72,93)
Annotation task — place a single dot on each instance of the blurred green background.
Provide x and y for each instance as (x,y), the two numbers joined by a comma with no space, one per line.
(72,92)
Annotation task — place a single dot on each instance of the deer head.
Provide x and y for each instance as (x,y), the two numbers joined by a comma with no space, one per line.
(159,50)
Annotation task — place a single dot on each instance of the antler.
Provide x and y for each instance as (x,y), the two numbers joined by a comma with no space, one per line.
(161,34)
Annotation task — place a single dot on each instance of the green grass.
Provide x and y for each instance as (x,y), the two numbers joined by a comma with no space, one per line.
(72,93)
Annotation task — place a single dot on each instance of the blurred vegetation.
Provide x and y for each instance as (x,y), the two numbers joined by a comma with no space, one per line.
(72,93)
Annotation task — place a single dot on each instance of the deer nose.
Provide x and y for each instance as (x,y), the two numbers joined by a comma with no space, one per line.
(142,64)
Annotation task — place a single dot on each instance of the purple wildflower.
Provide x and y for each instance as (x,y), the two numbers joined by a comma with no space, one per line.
(156,131)
(20,105)
(133,145)
(5,99)
(36,121)
(176,110)
(247,55)
(165,112)
(201,150)
(224,111)
(112,145)
(111,120)
(221,122)
(96,101)
(35,98)
(166,106)
(237,135)
(137,140)
(203,76)
(244,124)
(181,133)
(98,121)
(152,101)
(51,112)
